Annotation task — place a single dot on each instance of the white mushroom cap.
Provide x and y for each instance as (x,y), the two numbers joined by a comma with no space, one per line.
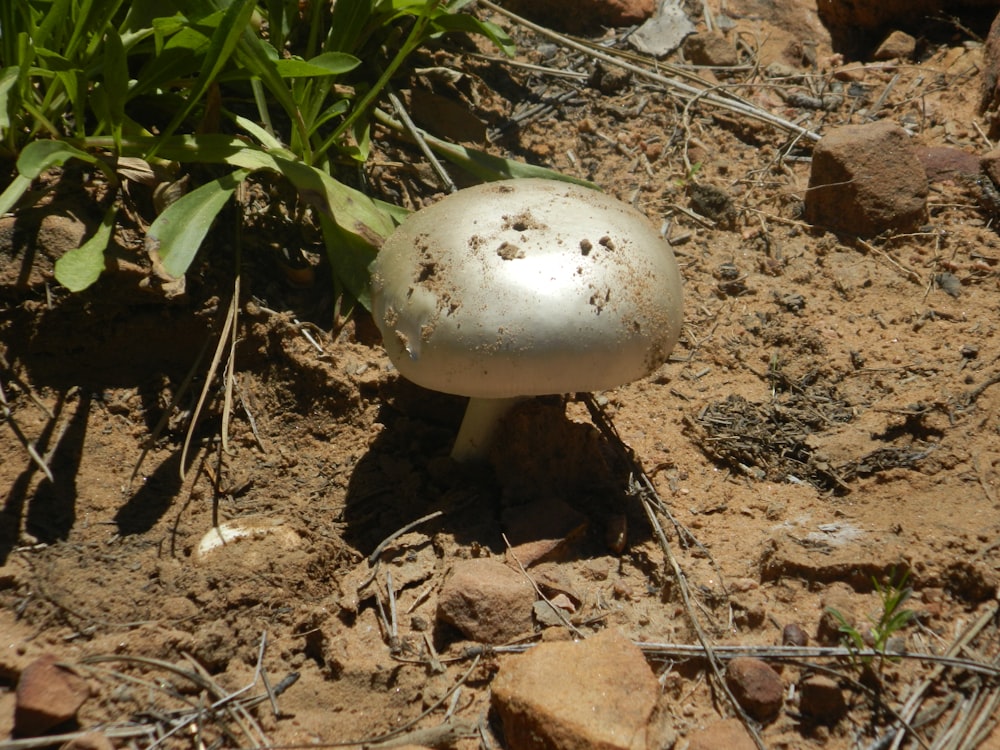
(526,287)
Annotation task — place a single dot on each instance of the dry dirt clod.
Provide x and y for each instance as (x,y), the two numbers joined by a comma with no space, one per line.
(839,598)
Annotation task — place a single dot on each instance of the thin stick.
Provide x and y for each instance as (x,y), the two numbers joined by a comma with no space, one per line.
(374,556)
(393,619)
(790,654)
(417,136)
(909,710)
(209,377)
(29,445)
(731,104)
(908,273)
(562,618)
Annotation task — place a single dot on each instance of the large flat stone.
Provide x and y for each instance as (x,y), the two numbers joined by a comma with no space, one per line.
(577,695)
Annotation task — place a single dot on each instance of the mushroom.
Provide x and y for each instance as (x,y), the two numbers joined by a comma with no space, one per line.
(524,288)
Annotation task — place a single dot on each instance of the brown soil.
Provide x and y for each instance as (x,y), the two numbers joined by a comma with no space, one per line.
(831,417)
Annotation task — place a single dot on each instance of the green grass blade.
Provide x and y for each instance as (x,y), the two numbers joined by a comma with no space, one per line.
(349,20)
(81,267)
(472,25)
(220,50)
(180,229)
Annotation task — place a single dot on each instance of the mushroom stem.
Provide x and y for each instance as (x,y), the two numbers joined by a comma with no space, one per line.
(482,416)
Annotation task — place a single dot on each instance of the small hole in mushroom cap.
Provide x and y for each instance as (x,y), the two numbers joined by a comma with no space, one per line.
(605,241)
(427,269)
(586,246)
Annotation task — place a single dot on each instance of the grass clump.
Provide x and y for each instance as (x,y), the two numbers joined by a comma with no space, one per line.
(245,86)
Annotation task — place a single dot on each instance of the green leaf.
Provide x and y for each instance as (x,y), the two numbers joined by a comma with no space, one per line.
(81,267)
(471,25)
(263,137)
(327,64)
(180,229)
(8,97)
(38,156)
(350,256)
(13,193)
(115,82)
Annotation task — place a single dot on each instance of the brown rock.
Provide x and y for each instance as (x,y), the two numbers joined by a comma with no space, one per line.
(597,693)
(583,15)
(989,93)
(487,601)
(897,46)
(946,163)
(990,165)
(710,48)
(728,733)
(821,699)
(794,635)
(756,687)
(866,179)
(47,695)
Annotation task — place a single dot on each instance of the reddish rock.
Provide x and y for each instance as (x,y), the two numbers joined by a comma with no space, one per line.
(487,601)
(990,165)
(710,48)
(728,734)
(897,46)
(989,92)
(821,700)
(756,687)
(583,15)
(597,693)
(47,695)
(866,179)
(946,163)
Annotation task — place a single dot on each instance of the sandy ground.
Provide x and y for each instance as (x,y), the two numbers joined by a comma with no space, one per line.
(829,418)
